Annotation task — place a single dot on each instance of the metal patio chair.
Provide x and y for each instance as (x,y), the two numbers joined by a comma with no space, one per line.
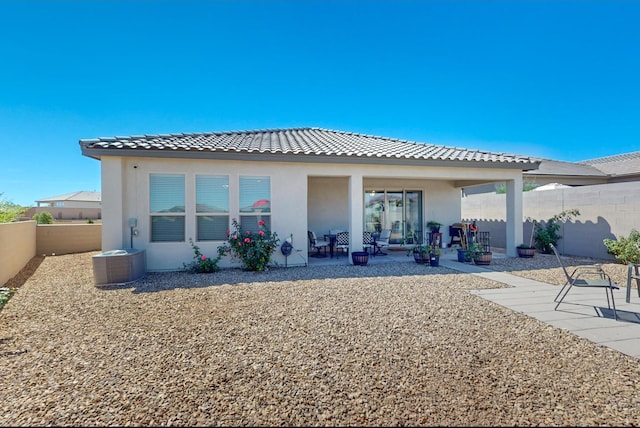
(368,243)
(580,278)
(342,243)
(317,244)
(632,273)
(382,242)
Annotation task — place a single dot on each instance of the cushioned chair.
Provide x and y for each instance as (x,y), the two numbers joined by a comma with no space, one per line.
(368,242)
(382,242)
(318,245)
(586,276)
(342,243)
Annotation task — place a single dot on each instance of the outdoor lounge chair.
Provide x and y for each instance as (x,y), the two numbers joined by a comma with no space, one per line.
(588,276)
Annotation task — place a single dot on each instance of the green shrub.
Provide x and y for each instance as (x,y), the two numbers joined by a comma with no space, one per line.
(43,218)
(627,250)
(5,295)
(201,263)
(549,233)
(253,249)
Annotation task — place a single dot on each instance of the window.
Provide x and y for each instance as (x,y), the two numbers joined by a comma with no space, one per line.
(212,207)
(255,202)
(400,211)
(166,205)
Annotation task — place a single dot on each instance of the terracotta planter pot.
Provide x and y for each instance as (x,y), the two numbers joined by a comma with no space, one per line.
(483,259)
(526,252)
(420,257)
(360,258)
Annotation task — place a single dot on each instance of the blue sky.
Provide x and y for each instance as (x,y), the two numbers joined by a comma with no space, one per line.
(553,79)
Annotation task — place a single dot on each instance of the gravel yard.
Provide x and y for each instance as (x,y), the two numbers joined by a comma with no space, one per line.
(378,345)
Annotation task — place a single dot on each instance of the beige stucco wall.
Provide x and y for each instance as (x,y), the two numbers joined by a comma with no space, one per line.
(68,238)
(303,195)
(17,247)
(606,211)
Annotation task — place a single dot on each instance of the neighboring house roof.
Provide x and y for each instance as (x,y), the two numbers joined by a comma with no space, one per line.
(618,165)
(560,168)
(81,196)
(623,167)
(299,144)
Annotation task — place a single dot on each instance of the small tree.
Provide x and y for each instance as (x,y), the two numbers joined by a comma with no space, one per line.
(9,211)
(43,218)
(627,250)
(549,233)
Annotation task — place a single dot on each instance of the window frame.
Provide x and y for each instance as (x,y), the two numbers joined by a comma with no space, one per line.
(219,214)
(155,215)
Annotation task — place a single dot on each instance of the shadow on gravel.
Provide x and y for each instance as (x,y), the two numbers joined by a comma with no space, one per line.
(159,281)
(25,273)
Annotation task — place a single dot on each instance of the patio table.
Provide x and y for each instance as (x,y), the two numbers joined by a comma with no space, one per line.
(332,242)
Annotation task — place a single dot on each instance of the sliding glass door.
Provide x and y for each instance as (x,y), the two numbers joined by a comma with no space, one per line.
(398,210)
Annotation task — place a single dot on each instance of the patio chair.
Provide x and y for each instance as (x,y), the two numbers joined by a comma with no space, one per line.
(368,242)
(632,273)
(382,242)
(580,278)
(342,243)
(318,245)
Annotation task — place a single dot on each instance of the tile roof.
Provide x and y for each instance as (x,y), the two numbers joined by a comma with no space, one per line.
(554,167)
(82,195)
(618,165)
(302,142)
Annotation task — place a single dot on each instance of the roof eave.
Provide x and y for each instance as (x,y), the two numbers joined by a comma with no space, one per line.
(97,153)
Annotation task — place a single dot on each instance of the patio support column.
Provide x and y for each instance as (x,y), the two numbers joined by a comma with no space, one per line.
(356,217)
(514,216)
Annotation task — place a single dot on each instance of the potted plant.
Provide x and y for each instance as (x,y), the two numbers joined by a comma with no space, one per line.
(434,226)
(479,255)
(434,256)
(528,251)
(420,252)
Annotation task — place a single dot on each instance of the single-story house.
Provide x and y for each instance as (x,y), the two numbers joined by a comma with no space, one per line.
(159,191)
(78,205)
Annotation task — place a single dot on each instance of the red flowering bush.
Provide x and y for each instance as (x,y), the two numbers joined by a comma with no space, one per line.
(253,248)
(201,263)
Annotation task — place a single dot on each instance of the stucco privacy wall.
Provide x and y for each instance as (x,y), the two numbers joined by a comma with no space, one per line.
(68,238)
(125,194)
(17,247)
(21,241)
(606,211)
